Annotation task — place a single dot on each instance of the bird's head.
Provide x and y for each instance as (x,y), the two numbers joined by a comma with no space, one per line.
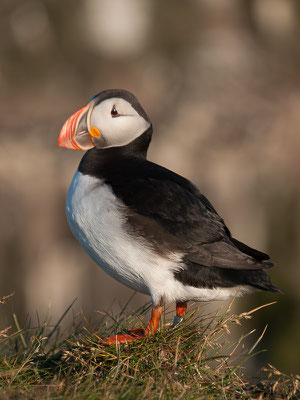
(112,118)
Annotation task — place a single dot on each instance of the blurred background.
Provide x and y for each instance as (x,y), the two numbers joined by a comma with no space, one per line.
(220,82)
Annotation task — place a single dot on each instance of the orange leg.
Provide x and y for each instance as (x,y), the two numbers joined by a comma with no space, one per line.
(137,334)
(181,308)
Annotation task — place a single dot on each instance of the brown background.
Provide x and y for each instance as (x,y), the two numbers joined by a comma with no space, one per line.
(220,81)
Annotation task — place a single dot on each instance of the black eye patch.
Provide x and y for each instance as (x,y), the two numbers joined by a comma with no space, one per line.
(114,112)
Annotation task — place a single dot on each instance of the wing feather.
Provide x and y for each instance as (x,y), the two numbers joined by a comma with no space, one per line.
(167,206)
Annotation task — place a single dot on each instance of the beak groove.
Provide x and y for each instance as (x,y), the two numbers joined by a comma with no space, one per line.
(71,137)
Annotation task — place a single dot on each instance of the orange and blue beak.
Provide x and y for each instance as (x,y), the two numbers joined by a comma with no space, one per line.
(75,133)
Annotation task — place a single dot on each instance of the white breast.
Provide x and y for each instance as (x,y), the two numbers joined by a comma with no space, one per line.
(96,219)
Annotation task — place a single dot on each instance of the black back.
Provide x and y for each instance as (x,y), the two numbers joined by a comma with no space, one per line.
(173,216)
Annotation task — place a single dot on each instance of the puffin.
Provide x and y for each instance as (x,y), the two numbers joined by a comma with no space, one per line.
(146,226)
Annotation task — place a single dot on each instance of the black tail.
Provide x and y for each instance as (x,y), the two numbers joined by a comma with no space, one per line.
(261,280)
(269,288)
(213,277)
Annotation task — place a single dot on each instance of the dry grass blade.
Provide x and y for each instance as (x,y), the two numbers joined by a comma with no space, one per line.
(196,360)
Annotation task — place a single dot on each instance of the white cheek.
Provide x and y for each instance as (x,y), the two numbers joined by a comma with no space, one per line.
(119,131)
(100,117)
(124,129)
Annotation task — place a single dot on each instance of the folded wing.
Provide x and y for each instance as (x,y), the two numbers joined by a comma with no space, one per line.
(169,210)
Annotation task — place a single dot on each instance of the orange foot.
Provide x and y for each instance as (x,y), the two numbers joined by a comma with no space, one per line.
(131,336)
(138,334)
(181,307)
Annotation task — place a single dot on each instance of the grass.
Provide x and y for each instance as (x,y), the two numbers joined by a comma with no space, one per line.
(196,360)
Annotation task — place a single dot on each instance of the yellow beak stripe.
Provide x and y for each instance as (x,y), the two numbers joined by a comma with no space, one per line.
(95,132)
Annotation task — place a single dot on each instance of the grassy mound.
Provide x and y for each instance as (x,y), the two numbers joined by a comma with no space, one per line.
(196,360)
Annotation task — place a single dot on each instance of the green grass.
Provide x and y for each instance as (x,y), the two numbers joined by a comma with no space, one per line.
(196,360)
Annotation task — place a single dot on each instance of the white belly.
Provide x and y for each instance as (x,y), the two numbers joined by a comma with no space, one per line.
(95,217)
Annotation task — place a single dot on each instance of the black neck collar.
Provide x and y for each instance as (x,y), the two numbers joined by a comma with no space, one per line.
(95,159)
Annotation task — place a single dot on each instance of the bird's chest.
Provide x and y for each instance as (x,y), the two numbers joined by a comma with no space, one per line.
(96,220)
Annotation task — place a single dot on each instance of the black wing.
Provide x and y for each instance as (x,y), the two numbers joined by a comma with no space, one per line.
(171,213)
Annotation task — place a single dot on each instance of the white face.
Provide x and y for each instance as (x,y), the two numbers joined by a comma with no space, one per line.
(117,121)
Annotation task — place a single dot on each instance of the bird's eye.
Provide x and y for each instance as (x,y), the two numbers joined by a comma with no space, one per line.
(114,112)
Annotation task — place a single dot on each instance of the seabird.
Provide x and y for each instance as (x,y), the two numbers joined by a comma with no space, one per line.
(146,226)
